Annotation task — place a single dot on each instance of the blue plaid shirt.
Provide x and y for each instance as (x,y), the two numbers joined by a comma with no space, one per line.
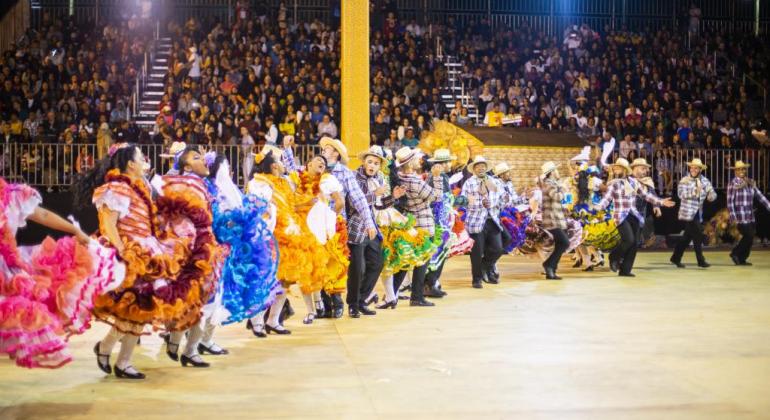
(740,200)
(477,215)
(693,192)
(353,196)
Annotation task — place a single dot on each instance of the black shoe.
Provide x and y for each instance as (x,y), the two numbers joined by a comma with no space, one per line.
(122,374)
(309,318)
(704,264)
(577,264)
(106,368)
(386,305)
(677,263)
(189,360)
(746,263)
(203,350)
(550,274)
(338,306)
(477,284)
(626,275)
(250,326)
(735,259)
(173,355)
(421,303)
(443,293)
(433,292)
(286,312)
(374,300)
(492,278)
(615,266)
(589,268)
(366,311)
(353,312)
(282,331)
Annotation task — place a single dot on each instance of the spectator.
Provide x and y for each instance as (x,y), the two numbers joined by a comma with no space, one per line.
(410,140)
(327,128)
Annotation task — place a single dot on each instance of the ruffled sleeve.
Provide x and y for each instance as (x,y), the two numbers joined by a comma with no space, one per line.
(22,202)
(330,185)
(260,189)
(113,199)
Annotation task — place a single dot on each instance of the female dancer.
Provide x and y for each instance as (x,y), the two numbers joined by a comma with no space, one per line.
(47,291)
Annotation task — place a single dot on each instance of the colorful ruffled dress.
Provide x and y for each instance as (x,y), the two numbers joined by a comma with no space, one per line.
(302,262)
(329,228)
(248,283)
(462,243)
(599,229)
(170,272)
(46,291)
(515,222)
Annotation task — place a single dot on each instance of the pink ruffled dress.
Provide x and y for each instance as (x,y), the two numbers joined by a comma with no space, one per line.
(46,291)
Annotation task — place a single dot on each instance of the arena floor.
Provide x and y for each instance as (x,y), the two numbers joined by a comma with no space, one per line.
(669,344)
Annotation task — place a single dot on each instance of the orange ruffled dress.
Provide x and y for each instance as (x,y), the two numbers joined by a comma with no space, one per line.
(300,260)
(168,275)
(46,291)
(328,228)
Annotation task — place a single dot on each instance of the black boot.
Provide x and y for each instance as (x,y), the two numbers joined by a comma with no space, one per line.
(338,305)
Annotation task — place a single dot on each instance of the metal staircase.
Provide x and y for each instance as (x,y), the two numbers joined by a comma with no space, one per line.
(455,88)
(150,86)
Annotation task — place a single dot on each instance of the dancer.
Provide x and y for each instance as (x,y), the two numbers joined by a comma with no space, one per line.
(47,291)
(740,202)
(554,219)
(623,192)
(483,223)
(444,214)
(336,155)
(693,190)
(419,197)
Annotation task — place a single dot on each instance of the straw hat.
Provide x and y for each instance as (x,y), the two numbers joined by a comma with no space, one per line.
(739,164)
(375,151)
(442,155)
(476,161)
(406,154)
(269,148)
(547,168)
(175,148)
(640,162)
(337,145)
(623,163)
(697,163)
(501,168)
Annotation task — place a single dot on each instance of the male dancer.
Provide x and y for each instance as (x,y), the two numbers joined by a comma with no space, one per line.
(336,155)
(740,203)
(639,171)
(441,159)
(693,190)
(554,218)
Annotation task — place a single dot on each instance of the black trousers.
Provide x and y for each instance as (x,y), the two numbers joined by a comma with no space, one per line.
(418,282)
(693,232)
(625,252)
(560,244)
(487,249)
(743,248)
(365,267)
(432,277)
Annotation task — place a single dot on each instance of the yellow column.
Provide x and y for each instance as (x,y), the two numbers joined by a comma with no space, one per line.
(354,63)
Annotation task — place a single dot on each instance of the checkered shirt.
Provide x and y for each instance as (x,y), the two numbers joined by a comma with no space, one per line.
(355,202)
(288,160)
(356,231)
(693,195)
(475,191)
(419,197)
(740,200)
(553,210)
(622,193)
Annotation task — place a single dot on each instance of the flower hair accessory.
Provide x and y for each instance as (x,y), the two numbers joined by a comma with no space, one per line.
(209,158)
(115,147)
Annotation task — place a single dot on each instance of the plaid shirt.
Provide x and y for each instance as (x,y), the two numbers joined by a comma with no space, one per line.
(355,202)
(419,197)
(622,193)
(475,191)
(553,211)
(693,196)
(507,194)
(740,200)
(356,230)
(287,158)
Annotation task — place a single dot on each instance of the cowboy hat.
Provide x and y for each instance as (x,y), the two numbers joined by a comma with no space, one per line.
(337,145)
(640,162)
(405,154)
(623,163)
(583,156)
(476,161)
(375,151)
(547,168)
(501,168)
(739,164)
(697,163)
(442,155)
(175,148)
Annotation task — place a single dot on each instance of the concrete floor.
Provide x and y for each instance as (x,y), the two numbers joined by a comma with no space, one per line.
(669,344)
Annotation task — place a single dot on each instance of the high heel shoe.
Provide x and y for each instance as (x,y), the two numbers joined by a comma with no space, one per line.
(105,367)
(386,305)
(578,263)
(309,318)
(123,374)
(271,329)
(173,355)
(374,300)
(194,363)
(257,333)
(216,351)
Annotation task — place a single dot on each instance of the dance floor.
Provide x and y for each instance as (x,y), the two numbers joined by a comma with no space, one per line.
(669,344)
